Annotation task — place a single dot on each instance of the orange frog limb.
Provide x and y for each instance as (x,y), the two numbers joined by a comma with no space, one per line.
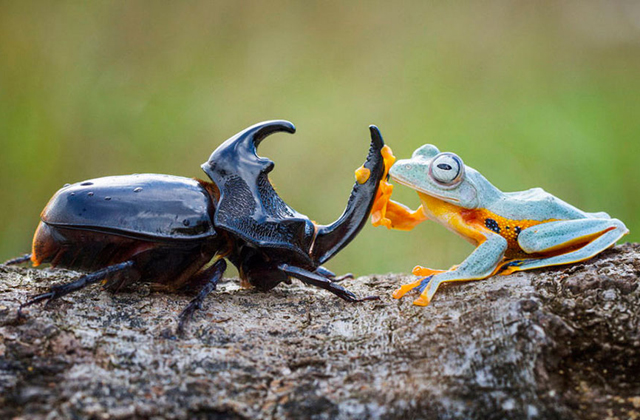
(400,217)
(389,213)
(398,293)
(379,209)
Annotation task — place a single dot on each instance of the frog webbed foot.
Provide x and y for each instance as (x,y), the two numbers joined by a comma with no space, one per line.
(419,284)
(427,291)
(426,286)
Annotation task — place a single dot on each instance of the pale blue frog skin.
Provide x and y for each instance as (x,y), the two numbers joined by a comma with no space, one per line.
(512,231)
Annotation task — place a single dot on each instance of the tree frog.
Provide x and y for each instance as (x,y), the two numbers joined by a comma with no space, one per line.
(512,231)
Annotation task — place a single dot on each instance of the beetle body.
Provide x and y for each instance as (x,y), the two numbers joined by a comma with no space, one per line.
(175,232)
(163,223)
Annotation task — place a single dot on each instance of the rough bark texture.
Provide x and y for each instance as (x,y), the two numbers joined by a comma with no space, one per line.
(556,343)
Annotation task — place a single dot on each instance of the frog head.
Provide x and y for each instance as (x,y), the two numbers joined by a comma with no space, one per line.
(443,176)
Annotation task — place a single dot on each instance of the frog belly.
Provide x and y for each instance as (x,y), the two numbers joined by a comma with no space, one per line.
(471,224)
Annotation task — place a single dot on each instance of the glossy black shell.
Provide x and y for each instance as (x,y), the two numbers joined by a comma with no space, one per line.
(144,205)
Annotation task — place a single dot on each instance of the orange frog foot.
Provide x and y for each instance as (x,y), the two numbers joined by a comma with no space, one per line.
(425,272)
(403,290)
(422,300)
(508,271)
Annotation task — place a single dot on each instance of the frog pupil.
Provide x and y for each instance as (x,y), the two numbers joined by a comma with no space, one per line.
(444,166)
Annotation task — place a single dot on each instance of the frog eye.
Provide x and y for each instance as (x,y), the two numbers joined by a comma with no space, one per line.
(447,169)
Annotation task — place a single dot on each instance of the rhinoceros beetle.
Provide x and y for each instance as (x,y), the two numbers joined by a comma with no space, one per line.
(176,232)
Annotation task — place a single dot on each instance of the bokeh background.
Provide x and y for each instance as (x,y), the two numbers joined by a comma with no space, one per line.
(532,94)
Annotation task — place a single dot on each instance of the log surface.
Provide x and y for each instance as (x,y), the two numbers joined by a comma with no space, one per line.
(560,343)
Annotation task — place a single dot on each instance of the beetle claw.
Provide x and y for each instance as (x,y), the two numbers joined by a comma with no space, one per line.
(338,279)
(366,298)
(186,315)
(348,296)
(60,290)
(214,273)
(317,280)
(354,299)
(49,296)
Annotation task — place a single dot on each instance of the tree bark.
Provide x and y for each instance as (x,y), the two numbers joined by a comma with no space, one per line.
(560,343)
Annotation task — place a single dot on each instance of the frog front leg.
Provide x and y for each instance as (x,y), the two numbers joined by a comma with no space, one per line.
(389,213)
(399,217)
(591,236)
(482,262)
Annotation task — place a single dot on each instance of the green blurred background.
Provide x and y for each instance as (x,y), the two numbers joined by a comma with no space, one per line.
(532,94)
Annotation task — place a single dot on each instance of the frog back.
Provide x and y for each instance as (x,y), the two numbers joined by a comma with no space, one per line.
(537,204)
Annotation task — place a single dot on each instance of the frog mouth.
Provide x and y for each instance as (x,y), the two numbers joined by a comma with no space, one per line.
(422,190)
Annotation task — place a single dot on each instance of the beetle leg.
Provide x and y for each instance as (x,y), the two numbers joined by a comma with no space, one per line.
(60,290)
(325,272)
(214,273)
(330,239)
(19,260)
(317,280)
(338,279)
(331,275)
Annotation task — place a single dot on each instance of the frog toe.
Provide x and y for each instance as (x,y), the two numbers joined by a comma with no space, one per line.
(404,289)
(508,271)
(423,300)
(424,271)
(427,289)
(420,285)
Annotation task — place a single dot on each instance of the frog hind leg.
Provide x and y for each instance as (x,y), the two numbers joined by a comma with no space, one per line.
(596,235)
(479,265)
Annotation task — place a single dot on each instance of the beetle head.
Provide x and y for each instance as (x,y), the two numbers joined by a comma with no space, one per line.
(248,206)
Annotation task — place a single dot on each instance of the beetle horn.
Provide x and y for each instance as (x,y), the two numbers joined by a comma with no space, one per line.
(251,137)
(330,239)
(248,139)
(238,154)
